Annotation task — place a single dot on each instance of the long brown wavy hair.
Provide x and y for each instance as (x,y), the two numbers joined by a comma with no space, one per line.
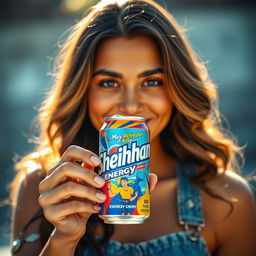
(195,132)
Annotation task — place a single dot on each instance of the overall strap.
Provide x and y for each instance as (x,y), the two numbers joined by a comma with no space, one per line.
(189,200)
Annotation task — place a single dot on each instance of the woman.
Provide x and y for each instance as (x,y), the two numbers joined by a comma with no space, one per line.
(132,59)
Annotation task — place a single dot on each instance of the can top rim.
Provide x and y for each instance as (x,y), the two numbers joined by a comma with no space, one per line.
(121,117)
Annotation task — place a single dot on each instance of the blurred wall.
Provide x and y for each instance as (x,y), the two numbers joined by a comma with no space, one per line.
(222,36)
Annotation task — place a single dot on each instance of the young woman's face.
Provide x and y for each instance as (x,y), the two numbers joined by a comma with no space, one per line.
(128,80)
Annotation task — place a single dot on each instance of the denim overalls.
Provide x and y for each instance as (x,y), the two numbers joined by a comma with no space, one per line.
(180,243)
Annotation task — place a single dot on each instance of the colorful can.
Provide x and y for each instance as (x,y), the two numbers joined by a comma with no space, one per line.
(124,149)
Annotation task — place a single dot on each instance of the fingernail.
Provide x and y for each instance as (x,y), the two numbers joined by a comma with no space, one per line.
(100,181)
(96,207)
(101,196)
(95,160)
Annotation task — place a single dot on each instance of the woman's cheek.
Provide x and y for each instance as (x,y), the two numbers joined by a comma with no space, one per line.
(99,104)
(96,105)
(99,107)
(161,103)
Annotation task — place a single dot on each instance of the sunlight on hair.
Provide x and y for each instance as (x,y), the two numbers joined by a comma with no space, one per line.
(32,165)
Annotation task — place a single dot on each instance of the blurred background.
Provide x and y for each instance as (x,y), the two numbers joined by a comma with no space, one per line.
(222,33)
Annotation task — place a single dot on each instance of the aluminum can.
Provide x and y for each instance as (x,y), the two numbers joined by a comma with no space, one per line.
(124,149)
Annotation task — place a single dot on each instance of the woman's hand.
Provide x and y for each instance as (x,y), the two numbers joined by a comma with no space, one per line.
(68,204)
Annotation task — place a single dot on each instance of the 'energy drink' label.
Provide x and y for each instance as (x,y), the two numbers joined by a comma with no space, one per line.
(125,152)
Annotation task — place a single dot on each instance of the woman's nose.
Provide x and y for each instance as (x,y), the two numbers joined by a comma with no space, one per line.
(131,102)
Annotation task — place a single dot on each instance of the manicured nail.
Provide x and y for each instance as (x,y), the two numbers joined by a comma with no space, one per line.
(101,196)
(100,181)
(95,160)
(96,207)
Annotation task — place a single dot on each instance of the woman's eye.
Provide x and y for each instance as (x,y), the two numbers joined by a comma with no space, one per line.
(153,83)
(108,84)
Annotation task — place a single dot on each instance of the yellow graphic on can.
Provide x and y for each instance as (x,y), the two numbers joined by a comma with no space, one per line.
(143,204)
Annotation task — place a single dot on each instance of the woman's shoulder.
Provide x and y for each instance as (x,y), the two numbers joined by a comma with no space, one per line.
(26,185)
(229,195)
(27,181)
(230,212)
(25,201)
(231,186)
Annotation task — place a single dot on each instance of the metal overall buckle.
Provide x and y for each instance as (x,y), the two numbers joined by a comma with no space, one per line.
(194,236)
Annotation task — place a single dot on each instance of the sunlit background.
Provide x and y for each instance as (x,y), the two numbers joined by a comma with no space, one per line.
(222,33)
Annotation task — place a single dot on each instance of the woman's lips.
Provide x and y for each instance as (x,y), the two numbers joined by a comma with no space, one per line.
(148,120)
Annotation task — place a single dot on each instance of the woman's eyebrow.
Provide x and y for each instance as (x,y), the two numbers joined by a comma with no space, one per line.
(118,75)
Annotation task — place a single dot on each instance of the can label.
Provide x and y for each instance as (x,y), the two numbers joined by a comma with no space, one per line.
(125,152)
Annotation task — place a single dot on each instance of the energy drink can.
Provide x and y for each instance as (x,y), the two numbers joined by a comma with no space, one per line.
(124,150)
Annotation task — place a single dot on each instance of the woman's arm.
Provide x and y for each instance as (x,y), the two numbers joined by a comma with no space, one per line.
(58,245)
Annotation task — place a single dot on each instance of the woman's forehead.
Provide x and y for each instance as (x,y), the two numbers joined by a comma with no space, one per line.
(139,50)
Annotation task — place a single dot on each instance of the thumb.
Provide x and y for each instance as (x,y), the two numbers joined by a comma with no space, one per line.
(153,181)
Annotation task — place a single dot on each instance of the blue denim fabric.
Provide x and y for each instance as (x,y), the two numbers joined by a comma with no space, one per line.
(179,243)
